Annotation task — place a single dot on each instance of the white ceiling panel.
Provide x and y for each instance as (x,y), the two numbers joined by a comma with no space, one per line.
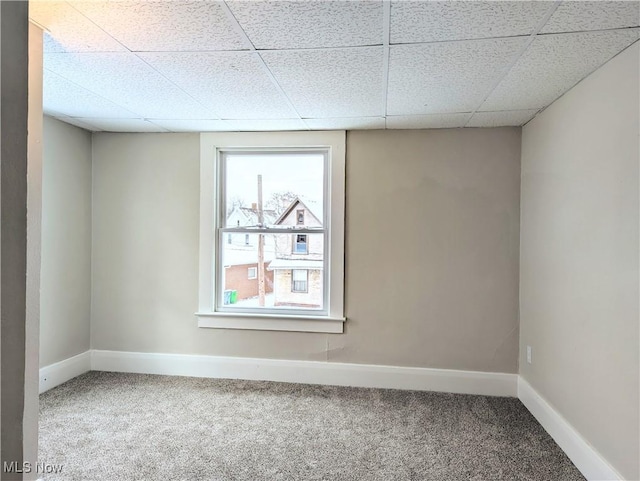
(355,123)
(552,65)
(265,125)
(432,21)
(61,97)
(126,80)
(331,83)
(195,125)
(121,125)
(235,85)
(303,24)
(165,25)
(575,16)
(437,121)
(69,30)
(501,119)
(446,77)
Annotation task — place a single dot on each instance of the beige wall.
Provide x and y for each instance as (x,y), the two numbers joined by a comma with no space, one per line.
(432,249)
(34,247)
(579,261)
(66,242)
(432,252)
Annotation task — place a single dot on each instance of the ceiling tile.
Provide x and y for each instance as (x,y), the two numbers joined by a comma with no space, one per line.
(126,80)
(233,84)
(437,121)
(552,65)
(446,77)
(359,123)
(194,125)
(121,125)
(574,16)
(331,83)
(69,30)
(431,21)
(165,25)
(262,125)
(61,97)
(501,119)
(319,23)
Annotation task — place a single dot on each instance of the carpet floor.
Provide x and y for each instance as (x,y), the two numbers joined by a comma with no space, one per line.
(114,426)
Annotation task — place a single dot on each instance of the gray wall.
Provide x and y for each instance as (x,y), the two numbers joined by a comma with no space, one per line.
(15,427)
(432,252)
(579,259)
(66,242)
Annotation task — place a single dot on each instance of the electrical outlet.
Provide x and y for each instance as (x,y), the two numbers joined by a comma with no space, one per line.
(529,354)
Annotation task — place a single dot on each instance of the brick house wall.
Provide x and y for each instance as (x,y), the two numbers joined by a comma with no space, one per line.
(237,278)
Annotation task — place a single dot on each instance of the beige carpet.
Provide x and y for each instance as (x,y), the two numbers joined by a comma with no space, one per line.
(110,426)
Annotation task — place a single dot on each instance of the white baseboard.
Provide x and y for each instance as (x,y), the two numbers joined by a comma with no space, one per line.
(55,374)
(589,461)
(308,372)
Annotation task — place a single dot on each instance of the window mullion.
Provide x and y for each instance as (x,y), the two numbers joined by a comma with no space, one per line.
(241,230)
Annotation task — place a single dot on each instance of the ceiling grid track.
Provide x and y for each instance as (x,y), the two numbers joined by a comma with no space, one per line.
(517,57)
(386,39)
(251,47)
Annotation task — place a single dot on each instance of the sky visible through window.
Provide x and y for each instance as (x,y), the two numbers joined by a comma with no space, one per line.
(300,174)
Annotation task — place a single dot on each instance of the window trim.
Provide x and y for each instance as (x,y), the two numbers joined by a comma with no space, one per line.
(211,144)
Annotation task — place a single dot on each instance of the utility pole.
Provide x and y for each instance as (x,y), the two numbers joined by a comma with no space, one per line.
(261,290)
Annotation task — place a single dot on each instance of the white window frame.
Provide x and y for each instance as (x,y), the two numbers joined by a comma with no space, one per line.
(211,146)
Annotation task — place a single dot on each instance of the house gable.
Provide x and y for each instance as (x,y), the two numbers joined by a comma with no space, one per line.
(288,217)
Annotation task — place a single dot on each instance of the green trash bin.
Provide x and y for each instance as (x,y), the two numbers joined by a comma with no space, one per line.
(233,297)
(227,297)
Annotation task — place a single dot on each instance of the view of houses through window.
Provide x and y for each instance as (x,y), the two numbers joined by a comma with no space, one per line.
(272,239)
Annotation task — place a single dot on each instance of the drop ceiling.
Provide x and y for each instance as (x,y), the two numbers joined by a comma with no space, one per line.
(158,66)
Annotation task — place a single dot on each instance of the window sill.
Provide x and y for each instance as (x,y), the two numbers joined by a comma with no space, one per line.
(266,322)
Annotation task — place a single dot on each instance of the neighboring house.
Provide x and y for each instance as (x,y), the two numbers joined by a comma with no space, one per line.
(298,263)
(240,254)
(244,217)
(241,272)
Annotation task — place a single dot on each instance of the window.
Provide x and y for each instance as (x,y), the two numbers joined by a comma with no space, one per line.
(252,273)
(300,244)
(246,239)
(296,181)
(299,279)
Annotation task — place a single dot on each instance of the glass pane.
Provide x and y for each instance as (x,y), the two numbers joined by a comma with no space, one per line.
(291,280)
(292,189)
